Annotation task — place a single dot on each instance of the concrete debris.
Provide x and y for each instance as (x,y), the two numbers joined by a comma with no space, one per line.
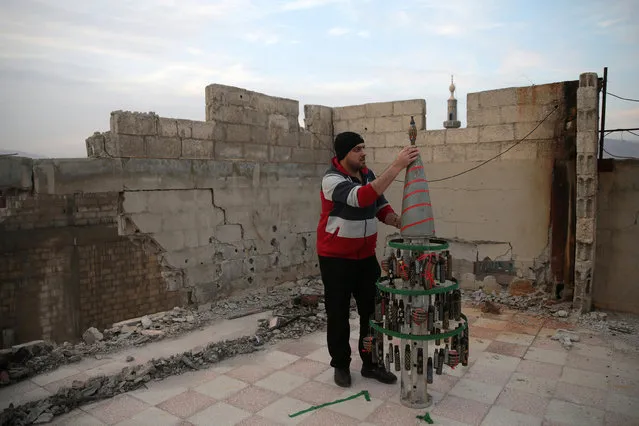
(29,359)
(488,307)
(296,321)
(92,335)
(565,337)
(130,358)
(561,314)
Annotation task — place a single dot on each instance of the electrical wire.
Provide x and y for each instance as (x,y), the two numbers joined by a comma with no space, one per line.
(496,156)
(622,98)
(620,156)
(632,133)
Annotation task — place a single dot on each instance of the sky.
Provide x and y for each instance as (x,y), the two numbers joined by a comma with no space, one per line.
(66,64)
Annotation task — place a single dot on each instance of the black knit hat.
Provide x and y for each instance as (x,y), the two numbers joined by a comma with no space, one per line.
(346,141)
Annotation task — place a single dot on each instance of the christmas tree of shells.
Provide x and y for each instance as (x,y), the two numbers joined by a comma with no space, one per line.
(418,300)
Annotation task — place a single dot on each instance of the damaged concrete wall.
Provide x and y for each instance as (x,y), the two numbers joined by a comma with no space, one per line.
(499,211)
(616,269)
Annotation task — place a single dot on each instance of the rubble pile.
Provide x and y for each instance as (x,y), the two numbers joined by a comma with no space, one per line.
(301,315)
(23,361)
(625,327)
(538,301)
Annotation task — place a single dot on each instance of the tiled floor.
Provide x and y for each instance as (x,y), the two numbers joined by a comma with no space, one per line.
(517,375)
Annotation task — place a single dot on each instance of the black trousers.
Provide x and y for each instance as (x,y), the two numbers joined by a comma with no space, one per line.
(343,278)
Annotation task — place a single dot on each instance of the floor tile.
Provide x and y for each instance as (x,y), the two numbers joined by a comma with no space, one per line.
(545,355)
(503,362)
(476,391)
(501,416)
(490,324)
(116,409)
(556,324)
(479,344)
(250,373)
(299,347)
(157,392)
(186,404)
(152,416)
(603,353)
(253,399)
(221,387)
(505,348)
(617,419)
(623,404)
(581,395)
(573,414)
(55,375)
(436,398)
(526,319)
(317,393)
(76,417)
(537,385)
(443,383)
(543,341)
(257,421)
(221,414)
(277,359)
(584,378)
(516,338)
(461,409)
(306,368)
(531,330)
(395,414)
(323,417)
(523,402)
(489,375)
(540,369)
(484,333)
(588,363)
(358,407)
(280,410)
(623,385)
(281,382)
(322,355)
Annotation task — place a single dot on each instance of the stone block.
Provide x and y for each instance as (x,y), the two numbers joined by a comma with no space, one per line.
(95,146)
(390,124)
(588,79)
(526,150)
(586,162)
(587,142)
(482,151)
(260,135)
(278,121)
(309,140)
(498,133)
(163,147)
(585,230)
(468,135)
(302,155)
(228,151)
(587,120)
(285,139)
(500,97)
(449,153)
(238,133)
(175,221)
(540,94)
(349,112)
(228,233)
(420,122)
(586,186)
(323,156)
(15,173)
(376,140)
(170,240)
(472,101)
(415,107)
(167,127)
(240,197)
(484,116)
(379,109)
(184,128)
(318,119)
(197,149)
(203,130)
(340,126)
(134,123)
(587,98)
(147,223)
(431,138)
(256,152)
(363,126)
(131,146)
(546,130)
(385,155)
(280,153)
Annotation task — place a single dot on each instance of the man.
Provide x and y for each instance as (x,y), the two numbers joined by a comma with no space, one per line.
(352,202)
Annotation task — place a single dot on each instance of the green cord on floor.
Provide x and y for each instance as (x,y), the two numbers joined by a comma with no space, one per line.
(365,393)
(426,418)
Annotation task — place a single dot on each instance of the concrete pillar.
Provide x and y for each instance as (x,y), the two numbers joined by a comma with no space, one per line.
(587,183)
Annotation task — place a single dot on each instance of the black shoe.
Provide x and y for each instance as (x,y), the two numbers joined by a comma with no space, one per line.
(342,377)
(380,374)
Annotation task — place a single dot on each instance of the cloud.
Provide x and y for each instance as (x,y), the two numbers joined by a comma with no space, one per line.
(338,31)
(364,34)
(194,51)
(307,4)
(264,37)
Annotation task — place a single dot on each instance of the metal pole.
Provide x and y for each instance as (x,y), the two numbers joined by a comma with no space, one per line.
(603,113)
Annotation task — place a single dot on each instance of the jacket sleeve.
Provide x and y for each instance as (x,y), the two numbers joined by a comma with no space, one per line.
(383,208)
(339,189)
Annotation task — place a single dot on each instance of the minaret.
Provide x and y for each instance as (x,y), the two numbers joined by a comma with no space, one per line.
(452,122)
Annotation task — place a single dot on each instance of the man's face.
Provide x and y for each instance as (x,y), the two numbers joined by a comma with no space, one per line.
(356,158)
